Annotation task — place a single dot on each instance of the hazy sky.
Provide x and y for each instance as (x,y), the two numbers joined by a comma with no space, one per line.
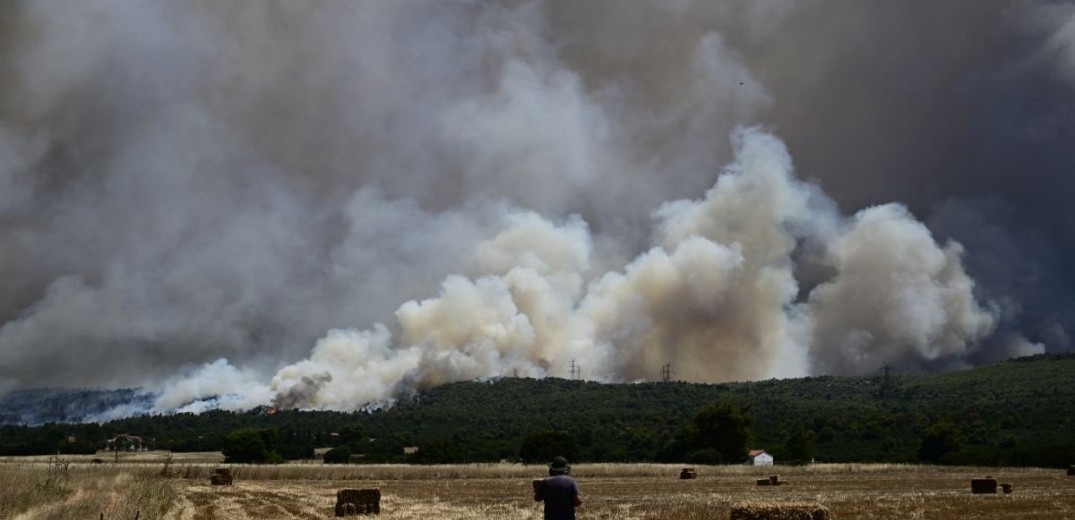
(322,204)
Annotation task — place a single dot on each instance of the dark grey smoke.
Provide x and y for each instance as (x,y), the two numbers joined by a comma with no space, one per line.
(186,182)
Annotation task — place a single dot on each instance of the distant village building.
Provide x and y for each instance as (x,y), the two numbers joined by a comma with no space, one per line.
(759,458)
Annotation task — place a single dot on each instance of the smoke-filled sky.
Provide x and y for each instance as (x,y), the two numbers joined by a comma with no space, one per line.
(327,204)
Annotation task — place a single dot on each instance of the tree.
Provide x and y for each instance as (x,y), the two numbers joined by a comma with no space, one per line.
(724,427)
(798,443)
(251,446)
(352,435)
(705,456)
(341,455)
(295,451)
(543,446)
(940,439)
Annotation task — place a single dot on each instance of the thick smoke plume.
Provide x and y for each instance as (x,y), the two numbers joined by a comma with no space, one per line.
(717,296)
(326,205)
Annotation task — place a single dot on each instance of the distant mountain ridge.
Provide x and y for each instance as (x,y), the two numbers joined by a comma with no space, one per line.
(62,405)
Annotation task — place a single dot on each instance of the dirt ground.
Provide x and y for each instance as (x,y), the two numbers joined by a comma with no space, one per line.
(898,492)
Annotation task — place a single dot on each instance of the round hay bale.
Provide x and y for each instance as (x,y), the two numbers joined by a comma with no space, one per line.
(785,511)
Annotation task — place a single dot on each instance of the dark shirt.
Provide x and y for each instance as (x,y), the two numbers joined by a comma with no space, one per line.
(559,492)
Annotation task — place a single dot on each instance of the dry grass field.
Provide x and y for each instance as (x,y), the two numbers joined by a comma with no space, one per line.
(35,489)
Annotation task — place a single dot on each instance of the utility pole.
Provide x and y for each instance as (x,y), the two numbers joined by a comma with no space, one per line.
(666,373)
(576,370)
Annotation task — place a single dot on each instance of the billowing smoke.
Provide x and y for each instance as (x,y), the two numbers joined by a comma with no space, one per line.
(320,204)
(717,296)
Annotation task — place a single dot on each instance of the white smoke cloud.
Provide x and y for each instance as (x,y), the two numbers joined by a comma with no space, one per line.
(212,385)
(717,297)
(897,297)
(508,186)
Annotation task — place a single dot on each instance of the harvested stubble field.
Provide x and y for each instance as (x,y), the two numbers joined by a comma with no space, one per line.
(502,491)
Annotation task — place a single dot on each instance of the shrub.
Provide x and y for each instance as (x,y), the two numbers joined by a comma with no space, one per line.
(251,446)
(341,455)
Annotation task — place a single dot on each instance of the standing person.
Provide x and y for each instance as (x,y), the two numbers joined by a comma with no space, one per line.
(559,491)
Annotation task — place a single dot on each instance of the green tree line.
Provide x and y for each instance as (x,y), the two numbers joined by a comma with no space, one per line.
(1018,412)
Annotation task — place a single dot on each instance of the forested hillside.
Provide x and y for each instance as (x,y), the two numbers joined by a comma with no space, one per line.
(1019,412)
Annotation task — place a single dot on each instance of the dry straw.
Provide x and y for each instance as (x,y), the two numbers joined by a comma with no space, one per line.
(785,511)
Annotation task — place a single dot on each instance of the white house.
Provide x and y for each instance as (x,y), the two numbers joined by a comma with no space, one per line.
(759,458)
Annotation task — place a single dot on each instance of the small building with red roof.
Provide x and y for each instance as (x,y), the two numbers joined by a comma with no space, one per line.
(759,458)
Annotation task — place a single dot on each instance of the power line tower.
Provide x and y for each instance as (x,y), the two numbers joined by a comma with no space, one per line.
(666,373)
(576,370)
(888,385)
(887,370)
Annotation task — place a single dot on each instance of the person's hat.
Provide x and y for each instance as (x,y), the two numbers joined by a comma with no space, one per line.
(559,464)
